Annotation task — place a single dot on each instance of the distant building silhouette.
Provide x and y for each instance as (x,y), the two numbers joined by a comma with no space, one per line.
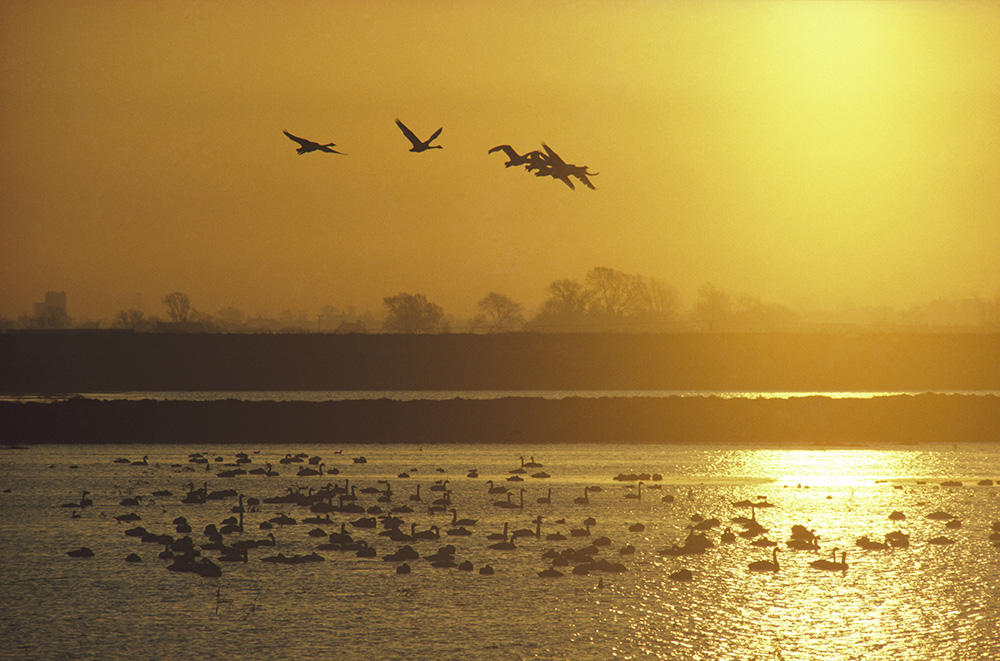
(51,313)
(54,304)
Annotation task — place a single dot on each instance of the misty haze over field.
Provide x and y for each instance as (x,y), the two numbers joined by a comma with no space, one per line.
(837,160)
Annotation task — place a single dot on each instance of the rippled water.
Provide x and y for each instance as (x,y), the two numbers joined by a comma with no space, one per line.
(924,602)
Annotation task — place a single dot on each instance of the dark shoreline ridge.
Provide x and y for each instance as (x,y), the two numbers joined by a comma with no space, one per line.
(804,362)
(928,418)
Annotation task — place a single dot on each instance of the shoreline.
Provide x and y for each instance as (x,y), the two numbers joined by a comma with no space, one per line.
(805,421)
(507,362)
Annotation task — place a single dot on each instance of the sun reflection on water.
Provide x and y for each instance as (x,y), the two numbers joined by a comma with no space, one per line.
(919,602)
(824,468)
(899,603)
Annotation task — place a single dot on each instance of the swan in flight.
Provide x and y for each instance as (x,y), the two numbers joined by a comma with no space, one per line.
(306,146)
(552,165)
(418,144)
(513,158)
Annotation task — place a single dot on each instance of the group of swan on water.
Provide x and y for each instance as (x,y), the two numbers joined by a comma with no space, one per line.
(187,558)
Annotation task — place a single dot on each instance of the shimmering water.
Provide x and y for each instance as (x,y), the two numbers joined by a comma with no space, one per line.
(923,602)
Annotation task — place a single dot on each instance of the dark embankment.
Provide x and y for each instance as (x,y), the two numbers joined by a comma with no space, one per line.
(798,421)
(94,362)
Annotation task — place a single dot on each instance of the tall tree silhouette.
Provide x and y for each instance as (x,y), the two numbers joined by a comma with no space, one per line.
(617,294)
(178,306)
(498,312)
(713,305)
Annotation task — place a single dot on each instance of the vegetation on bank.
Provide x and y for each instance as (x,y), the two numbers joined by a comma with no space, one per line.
(807,421)
(822,362)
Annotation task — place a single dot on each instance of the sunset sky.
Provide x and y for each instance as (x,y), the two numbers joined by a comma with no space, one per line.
(809,153)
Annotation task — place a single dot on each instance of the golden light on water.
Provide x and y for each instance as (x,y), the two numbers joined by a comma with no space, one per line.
(888,604)
(823,468)
(924,602)
(809,153)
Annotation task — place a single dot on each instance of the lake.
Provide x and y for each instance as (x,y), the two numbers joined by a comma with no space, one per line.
(930,600)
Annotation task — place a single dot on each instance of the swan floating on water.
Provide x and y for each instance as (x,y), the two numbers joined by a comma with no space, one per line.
(682,575)
(766,565)
(831,564)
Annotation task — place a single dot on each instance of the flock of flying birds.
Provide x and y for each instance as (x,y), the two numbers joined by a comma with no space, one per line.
(545,163)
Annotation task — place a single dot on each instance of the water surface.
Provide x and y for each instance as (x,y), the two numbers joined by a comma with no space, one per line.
(923,602)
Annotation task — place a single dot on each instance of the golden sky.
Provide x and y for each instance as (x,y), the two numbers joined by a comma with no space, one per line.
(809,153)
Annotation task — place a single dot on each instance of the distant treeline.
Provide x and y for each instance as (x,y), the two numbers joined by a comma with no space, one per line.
(94,362)
(605,300)
(797,422)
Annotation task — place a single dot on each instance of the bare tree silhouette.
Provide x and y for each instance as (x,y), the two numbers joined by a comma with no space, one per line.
(713,305)
(498,312)
(617,294)
(178,306)
(132,318)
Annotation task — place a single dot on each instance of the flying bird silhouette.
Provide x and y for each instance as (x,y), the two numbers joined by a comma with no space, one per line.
(307,146)
(552,165)
(514,158)
(418,145)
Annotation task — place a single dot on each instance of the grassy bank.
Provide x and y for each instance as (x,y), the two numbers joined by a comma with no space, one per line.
(522,421)
(81,362)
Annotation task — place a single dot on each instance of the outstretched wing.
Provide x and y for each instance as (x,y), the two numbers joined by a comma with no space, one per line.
(434,135)
(554,157)
(507,149)
(408,133)
(565,179)
(585,180)
(534,160)
(302,141)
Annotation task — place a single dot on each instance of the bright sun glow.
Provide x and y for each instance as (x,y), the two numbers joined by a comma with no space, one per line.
(807,153)
(822,468)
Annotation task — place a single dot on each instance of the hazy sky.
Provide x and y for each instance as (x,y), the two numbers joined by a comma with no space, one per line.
(805,152)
